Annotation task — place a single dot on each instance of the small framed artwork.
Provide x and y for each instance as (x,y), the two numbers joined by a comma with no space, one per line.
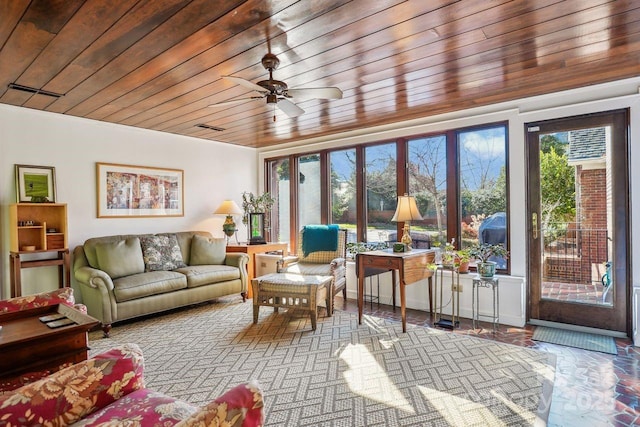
(125,191)
(256,229)
(35,184)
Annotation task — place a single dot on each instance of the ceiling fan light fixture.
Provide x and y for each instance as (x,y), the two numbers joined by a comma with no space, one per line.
(277,93)
(272,98)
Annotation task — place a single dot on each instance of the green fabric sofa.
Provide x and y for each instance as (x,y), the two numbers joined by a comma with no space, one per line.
(127,276)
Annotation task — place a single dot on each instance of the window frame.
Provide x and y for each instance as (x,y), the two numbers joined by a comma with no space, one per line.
(453,192)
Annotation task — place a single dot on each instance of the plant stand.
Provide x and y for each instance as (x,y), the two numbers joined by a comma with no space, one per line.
(454,320)
(485,282)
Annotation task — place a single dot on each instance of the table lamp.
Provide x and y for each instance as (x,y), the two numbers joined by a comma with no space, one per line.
(228,208)
(406,211)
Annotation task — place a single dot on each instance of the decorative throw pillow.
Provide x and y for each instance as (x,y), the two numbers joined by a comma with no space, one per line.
(161,252)
(121,258)
(208,250)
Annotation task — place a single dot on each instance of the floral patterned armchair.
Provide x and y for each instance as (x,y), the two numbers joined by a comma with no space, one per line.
(108,390)
(59,296)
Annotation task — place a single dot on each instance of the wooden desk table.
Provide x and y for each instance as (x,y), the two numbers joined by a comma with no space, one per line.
(412,267)
(252,250)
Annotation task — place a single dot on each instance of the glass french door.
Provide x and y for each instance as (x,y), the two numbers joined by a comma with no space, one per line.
(578,227)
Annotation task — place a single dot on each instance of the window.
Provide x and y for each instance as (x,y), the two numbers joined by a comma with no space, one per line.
(278,186)
(427,167)
(343,190)
(309,190)
(381,187)
(483,187)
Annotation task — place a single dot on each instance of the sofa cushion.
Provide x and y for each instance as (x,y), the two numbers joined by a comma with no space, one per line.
(142,407)
(198,275)
(73,393)
(147,284)
(161,252)
(208,250)
(120,258)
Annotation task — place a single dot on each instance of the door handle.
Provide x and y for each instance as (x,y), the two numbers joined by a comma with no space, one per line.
(534,224)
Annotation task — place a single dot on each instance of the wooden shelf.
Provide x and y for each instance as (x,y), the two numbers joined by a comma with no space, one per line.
(41,217)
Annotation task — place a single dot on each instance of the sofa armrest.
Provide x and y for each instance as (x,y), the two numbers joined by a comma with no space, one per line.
(236,259)
(240,406)
(96,287)
(337,263)
(240,260)
(72,393)
(285,262)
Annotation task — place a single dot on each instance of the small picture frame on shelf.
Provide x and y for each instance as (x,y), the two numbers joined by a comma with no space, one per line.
(35,184)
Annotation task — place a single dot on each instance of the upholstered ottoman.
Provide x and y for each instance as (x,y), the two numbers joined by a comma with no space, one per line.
(292,291)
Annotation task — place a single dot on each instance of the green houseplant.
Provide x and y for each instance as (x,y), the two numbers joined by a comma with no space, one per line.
(462,261)
(257,204)
(483,252)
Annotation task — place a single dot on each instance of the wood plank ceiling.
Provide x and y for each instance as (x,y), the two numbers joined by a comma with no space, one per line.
(157,64)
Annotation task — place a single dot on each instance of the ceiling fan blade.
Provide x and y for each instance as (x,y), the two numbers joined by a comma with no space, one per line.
(289,108)
(234,101)
(246,83)
(315,93)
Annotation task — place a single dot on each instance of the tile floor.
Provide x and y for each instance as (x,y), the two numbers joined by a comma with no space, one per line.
(589,293)
(590,388)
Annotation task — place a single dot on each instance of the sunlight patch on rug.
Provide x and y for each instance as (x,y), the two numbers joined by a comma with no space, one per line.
(367,378)
(458,411)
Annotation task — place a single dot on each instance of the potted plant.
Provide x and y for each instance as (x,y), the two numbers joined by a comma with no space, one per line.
(482,253)
(462,261)
(449,254)
(256,205)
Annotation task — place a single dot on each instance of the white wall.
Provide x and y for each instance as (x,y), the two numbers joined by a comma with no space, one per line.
(212,172)
(615,95)
(511,295)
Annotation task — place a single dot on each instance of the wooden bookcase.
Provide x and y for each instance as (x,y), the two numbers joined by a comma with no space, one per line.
(30,224)
(36,228)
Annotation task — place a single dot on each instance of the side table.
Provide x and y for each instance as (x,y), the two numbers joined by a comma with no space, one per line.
(252,250)
(485,282)
(16,265)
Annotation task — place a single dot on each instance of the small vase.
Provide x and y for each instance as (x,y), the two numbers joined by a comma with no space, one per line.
(487,269)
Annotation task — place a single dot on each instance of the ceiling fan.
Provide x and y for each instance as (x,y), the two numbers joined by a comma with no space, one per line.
(277,92)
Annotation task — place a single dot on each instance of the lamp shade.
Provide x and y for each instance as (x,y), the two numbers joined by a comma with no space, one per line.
(407,210)
(228,207)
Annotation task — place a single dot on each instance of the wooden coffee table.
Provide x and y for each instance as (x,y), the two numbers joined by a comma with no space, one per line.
(29,345)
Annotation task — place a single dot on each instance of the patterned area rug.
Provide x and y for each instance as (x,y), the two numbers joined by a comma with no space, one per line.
(583,340)
(343,374)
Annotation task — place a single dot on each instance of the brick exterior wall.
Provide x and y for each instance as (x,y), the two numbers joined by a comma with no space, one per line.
(591,239)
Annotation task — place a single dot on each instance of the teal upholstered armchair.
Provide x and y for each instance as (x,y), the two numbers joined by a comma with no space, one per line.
(321,251)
